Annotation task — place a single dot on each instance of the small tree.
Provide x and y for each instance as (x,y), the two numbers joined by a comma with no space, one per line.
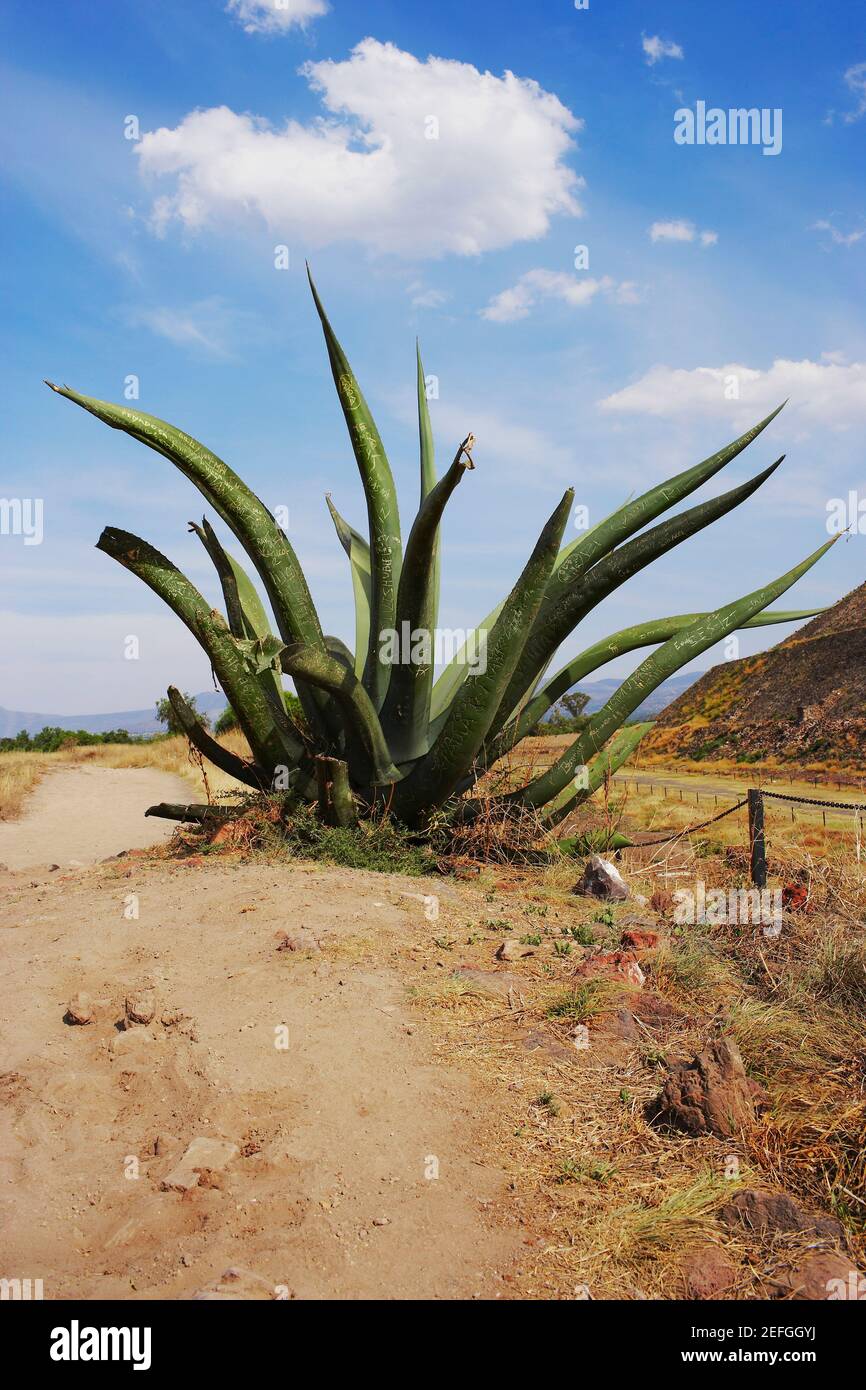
(166,715)
(567,715)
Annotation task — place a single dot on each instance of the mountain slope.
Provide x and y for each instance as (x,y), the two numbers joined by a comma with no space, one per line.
(804,700)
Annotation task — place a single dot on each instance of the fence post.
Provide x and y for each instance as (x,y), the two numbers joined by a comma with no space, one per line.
(757,845)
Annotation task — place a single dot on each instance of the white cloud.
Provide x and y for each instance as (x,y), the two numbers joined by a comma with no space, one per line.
(275,16)
(837,237)
(681,230)
(517,301)
(826,393)
(655,49)
(369,170)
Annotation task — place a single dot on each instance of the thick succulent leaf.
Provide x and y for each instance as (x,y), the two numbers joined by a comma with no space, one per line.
(221,757)
(244,609)
(683,647)
(560,614)
(628,639)
(406,710)
(261,654)
(604,765)
(272,746)
(241,510)
(367,752)
(633,515)
(358,552)
(454,751)
(382,510)
(428,471)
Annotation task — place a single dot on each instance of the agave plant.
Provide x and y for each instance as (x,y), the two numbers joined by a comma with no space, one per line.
(379,731)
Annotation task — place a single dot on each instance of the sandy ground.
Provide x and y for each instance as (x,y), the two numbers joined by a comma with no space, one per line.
(357,1173)
(79,815)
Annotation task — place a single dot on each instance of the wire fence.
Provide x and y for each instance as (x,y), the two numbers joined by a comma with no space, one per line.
(754,799)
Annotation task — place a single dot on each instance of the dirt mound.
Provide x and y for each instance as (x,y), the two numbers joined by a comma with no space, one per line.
(804,700)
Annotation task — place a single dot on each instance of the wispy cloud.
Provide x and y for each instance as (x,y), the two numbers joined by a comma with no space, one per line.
(422,296)
(838,238)
(855,80)
(417,158)
(516,302)
(680,230)
(275,16)
(209,325)
(655,49)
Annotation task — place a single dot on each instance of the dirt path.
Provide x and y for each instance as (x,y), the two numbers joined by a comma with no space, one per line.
(79,815)
(360,1169)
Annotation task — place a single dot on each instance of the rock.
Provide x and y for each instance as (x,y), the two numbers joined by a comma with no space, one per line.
(515,950)
(823,1276)
(140,1007)
(795,897)
(615,965)
(79,1009)
(601,879)
(710,1095)
(636,939)
(612,1037)
(202,1156)
(237,1284)
(166,1145)
(662,902)
(497,984)
(772,1212)
(708,1273)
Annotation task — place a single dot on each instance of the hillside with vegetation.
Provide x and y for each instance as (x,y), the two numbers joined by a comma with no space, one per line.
(803,701)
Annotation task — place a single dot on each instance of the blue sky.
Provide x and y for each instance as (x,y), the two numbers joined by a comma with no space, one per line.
(262,126)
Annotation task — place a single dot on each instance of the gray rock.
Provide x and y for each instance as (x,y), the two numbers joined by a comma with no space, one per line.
(601,879)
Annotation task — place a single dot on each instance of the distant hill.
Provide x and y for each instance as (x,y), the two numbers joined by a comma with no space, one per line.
(599,693)
(803,701)
(135,721)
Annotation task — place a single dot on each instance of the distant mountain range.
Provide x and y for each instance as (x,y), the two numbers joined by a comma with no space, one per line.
(599,693)
(144,721)
(135,721)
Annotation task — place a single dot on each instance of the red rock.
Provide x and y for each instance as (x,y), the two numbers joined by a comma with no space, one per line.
(825,1276)
(620,965)
(637,940)
(710,1095)
(760,1211)
(795,898)
(708,1273)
